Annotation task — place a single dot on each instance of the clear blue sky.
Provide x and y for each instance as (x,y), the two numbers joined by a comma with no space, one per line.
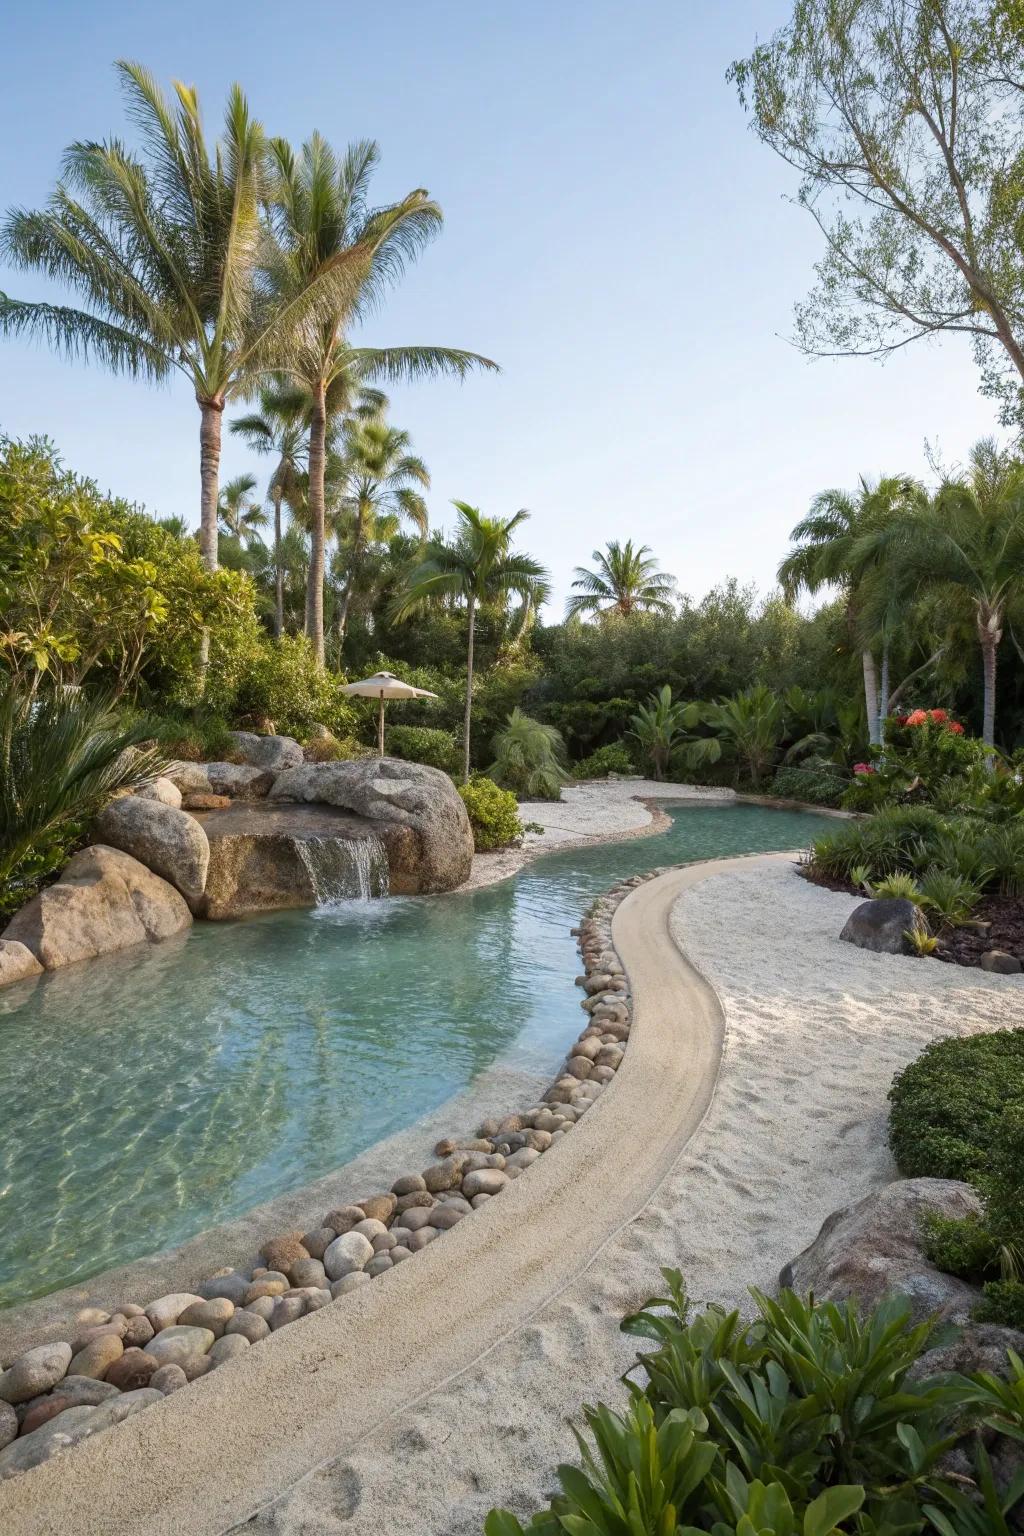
(615,237)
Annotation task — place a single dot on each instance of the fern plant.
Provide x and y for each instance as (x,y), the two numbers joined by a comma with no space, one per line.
(529,758)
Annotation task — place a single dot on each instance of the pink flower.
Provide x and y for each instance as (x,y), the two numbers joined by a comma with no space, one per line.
(863,768)
(955,727)
(918,717)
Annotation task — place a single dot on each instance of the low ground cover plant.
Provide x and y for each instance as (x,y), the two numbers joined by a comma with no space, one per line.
(424,744)
(493,814)
(807,1420)
(614,758)
(820,784)
(957,1112)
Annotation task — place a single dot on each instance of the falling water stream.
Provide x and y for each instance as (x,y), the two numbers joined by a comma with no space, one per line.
(344,868)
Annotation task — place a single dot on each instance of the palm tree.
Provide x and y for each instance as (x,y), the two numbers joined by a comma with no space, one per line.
(279,427)
(237,512)
(168,252)
(966,544)
(626,581)
(321,218)
(833,548)
(477,566)
(379,479)
(529,757)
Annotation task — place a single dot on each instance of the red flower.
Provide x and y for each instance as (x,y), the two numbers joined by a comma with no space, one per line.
(955,727)
(863,768)
(938,714)
(918,717)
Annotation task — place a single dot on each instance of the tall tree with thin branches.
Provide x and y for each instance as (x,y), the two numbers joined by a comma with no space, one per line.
(627,580)
(172,260)
(322,217)
(477,566)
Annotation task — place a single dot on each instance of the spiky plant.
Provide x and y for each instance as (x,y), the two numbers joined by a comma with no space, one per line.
(62,755)
(529,757)
(627,580)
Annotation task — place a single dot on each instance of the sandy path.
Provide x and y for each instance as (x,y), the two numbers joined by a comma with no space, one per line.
(815,1031)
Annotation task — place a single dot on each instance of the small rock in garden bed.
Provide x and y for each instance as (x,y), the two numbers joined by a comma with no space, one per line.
(165,1311)
(173,1345)
(349,1283)
(379,1207)
(317,1243)
(230,1286)
(97,1356)
(409,1183)
(169,1378)
(247,1325)
(350,1251)
(34,1372)
(214,1315)
(228,1347)
(345,1218)
(134,1369)
(1001,963)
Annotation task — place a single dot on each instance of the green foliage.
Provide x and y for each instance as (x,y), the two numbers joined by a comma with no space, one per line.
(921,943)
(899,887)
(960,1246)
(806,1422)
(1002,1302)
(748,728)
(926,763)
(947,1107)
(659,726)
(960,858)
(817,785)
(493,814)
(282,684)
(529,758)
(424,744)
(62,756)
(199,738)
(614,758)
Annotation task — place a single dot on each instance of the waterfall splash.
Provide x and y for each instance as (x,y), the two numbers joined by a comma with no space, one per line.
(344,868)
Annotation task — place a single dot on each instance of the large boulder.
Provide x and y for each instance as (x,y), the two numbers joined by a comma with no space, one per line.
(169,842)
(418,812)
(882,924)
(105,900)
(162,789)
(273,752)
(875,1248)
(239,780)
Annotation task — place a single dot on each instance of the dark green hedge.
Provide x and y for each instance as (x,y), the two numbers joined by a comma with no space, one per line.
(948,1105)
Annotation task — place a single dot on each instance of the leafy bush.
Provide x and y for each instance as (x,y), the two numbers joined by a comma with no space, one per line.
(926,756)
(918,841)
(281,685)
(528,758)
(947,1107)
(806,1420)
(201,739)
(962,1247)
(62,756)
(818,785)
(613,758)
(1002,1302)
(334,749)
(425,744)
(493,814)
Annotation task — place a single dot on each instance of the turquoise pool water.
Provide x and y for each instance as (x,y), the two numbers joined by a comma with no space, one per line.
(150,1095)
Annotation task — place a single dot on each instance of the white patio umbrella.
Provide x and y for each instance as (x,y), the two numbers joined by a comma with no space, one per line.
(384,686)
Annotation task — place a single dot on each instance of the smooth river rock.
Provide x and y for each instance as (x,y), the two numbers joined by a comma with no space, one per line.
(164,790)
(34,1372)
(347,1253)
(174,1346)
(417,812)
(169,842)
(104,901)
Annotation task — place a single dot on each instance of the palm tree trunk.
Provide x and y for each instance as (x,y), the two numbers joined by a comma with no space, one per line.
(278,569)
(870,695)
(209,471)
(469,690)
(317,461)
(988,661)
(883,697)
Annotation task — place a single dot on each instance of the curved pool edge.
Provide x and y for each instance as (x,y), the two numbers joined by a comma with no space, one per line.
(261,1422)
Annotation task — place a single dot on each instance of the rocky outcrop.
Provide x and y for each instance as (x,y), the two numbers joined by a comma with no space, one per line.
(169,842)
(104,901)
(273,752)
(875,1248)
(417,812)
(882,924)
(239,780)
(16,962)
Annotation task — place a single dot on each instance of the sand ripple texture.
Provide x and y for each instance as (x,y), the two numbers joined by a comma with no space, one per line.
(815,1031)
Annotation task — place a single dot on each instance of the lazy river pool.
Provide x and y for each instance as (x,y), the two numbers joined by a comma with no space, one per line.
(149,1095)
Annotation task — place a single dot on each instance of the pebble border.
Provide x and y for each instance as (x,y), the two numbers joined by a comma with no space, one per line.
(119,1363)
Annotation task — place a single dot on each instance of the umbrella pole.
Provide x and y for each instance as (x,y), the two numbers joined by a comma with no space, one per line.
(380,728)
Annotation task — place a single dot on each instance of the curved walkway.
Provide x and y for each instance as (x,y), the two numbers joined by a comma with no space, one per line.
(208,1458)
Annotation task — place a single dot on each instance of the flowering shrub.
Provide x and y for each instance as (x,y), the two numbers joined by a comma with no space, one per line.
(924,752)
(862,768)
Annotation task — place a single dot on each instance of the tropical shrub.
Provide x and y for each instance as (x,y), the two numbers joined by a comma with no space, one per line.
(926,757)
(659,726)
(62,756)
(805,1421)
(918,841)
(199,738)
(747,730)
(282,686)
(529,758)
(614,758)
(819,784)
(493,814)
(947,1106)
(424,744)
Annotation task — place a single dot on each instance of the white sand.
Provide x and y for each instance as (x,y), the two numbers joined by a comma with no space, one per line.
(815,1031)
